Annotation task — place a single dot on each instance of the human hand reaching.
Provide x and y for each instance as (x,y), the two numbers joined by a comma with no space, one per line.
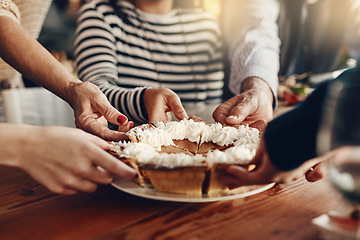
(254,103)
(265,172)
(66,160)
(92,110)
(159,102)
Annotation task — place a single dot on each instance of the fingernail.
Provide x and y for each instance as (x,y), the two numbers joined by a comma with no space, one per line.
(111,142)
(121,119)
(233,117)
(131,125)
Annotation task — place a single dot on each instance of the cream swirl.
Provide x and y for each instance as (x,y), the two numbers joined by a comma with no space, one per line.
(209,132)
(172,160)
(141,151)
(177,130)
(234,155)
(156,137)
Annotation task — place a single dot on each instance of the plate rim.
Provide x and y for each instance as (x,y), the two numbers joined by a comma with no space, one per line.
(182,197)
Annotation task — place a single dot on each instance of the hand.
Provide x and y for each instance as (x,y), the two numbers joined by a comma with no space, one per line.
(338,155)
(67,160)
(159,102)
(265,172)
(254,103)
(92,111)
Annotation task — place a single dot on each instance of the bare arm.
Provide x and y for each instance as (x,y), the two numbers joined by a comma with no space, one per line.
(65,160)
(26,55)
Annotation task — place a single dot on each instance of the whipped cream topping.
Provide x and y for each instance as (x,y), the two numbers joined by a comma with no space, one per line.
(245,141)
(210,131)
(147,155)
(184,129)
(163,133)
(234,155)
(172,160)
(177,130)
(140,151)
(155,137)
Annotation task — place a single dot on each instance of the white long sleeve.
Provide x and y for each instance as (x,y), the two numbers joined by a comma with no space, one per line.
(251,33)
(352,37)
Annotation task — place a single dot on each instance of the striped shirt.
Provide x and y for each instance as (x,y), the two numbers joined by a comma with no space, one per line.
(124,50)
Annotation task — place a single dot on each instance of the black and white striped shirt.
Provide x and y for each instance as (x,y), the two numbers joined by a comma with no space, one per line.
(124,50)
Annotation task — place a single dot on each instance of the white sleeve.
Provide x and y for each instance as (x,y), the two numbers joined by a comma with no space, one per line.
(352,36)
(9,9)
(251,34)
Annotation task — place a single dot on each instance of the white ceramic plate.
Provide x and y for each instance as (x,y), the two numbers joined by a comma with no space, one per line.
(151,193)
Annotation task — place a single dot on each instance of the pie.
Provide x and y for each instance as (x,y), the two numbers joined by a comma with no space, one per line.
(186,156)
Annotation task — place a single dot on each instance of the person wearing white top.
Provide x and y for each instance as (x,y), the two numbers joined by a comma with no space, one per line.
(271,38)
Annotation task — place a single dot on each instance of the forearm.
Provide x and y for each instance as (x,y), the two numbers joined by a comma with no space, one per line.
(25,54)
(13,141)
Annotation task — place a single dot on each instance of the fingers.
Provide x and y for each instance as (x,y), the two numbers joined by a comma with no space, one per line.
(313,175)
(158,102)
(243,109)
(107,162)
(260,154)
(62,181)
(157,114)
(223,110)
(94,127)
(126,127)
(99,175)
(260,125)
(155,104)
(195,118)
(316,173)
(177,108)
(237,176)
(115,166)
(110,113)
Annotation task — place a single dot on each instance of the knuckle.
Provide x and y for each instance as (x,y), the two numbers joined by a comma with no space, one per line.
(70,182)
(91,187)
(107,180)
(81,170)
(58,189)
(109,110)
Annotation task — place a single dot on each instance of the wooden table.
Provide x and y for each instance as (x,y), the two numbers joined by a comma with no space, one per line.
(29,211)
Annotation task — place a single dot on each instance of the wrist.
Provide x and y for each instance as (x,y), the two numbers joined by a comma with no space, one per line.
(70,90)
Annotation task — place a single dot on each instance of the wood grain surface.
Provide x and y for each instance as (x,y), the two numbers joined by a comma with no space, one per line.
(29,211)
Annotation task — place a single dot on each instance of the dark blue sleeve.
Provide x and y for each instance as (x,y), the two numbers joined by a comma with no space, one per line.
(291,138)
